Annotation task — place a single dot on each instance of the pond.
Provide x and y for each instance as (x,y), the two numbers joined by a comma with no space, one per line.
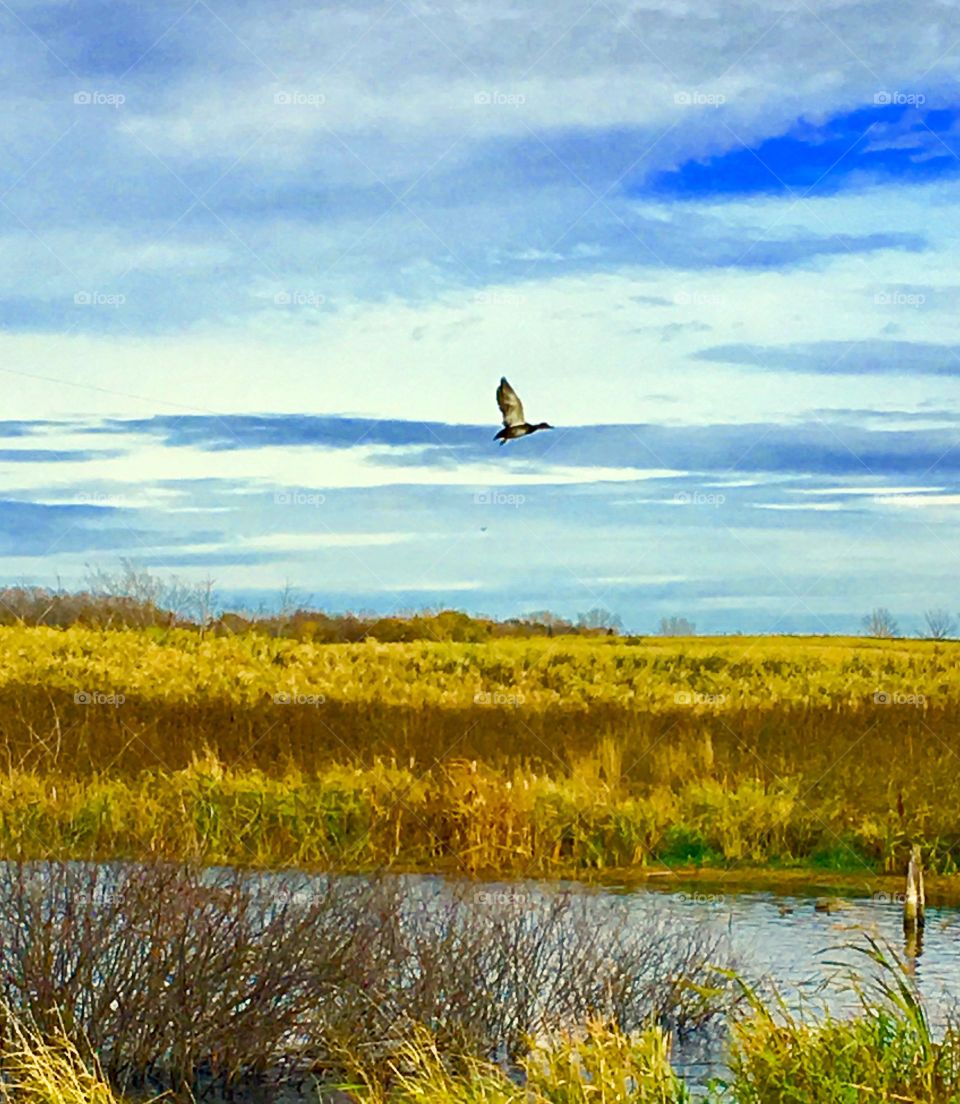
(268,967)
(799,944)
(792,943)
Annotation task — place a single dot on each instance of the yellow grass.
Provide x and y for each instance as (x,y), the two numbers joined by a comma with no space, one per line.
(514,755)
(49,1071)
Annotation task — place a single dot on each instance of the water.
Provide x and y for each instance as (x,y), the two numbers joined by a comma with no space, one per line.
(783,942)
(789,940)
(796,944)
(776,941)
(786,941)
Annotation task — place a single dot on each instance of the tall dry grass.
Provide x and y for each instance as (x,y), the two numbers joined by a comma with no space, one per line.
(38,1069)
(562,754)
(459,817)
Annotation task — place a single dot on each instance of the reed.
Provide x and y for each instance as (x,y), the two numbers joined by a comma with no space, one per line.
(505,756)
(887,1052)
(598,1064)
(459,817)
(49,1070)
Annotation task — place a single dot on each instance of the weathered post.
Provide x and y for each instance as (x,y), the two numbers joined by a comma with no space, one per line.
(913,902)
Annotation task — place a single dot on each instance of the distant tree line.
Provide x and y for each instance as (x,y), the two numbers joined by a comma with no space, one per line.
(677,626)
(880,623)
(133,598)
(940,624)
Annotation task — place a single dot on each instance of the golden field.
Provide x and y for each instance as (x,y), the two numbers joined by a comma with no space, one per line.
(511,756)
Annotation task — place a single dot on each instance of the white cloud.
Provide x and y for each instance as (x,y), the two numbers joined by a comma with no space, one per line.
(866,491)
(638,580)
(143,461)
(823,507)
(418,73)
(297,542)
(913,501)
(287,542)
(268,157)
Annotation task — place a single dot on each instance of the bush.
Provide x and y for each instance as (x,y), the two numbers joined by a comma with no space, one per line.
(172,976)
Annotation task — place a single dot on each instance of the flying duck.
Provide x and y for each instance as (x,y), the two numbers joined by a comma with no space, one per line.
(511,408)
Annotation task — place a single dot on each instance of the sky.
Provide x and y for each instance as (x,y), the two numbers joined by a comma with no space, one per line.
(263,265)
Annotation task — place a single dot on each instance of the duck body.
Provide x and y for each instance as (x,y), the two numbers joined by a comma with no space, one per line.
(509,433)
(514,423)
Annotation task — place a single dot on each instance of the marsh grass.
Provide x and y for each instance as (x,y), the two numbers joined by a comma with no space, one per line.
(49,1070)
(506,756)
(458,817)
(598,1064)
(886,1051)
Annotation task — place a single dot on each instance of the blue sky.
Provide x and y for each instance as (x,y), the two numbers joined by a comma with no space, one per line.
(263,266)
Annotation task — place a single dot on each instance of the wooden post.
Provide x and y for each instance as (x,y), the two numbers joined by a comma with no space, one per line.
(913,901)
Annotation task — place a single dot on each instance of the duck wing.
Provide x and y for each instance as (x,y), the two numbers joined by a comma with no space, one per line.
(510,406)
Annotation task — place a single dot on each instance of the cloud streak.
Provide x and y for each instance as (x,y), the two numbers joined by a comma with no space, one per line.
(255,249)
(856,358)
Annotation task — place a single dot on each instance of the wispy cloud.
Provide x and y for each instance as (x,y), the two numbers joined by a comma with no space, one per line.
(840,358)
(267,251)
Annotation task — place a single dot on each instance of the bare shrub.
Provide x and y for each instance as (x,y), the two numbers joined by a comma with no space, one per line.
(168,973)
(881,624)
(171,976)
(488,969)
(941,624)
